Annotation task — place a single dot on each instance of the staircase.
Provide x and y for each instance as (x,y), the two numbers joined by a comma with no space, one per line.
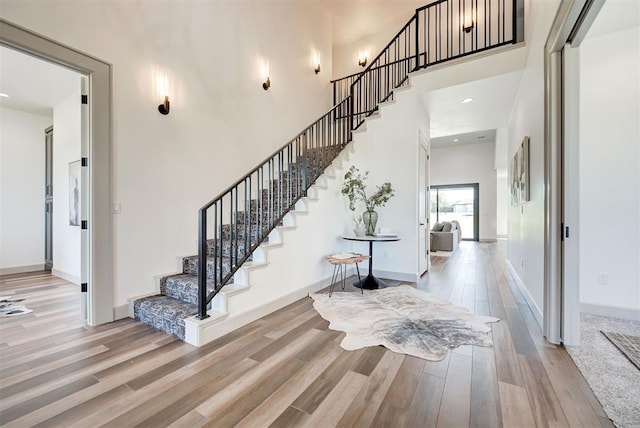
(233,246)
(237,225)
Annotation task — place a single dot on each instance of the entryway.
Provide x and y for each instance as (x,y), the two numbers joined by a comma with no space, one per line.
(96,271)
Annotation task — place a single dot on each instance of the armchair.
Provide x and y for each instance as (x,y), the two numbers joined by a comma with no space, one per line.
(445,236)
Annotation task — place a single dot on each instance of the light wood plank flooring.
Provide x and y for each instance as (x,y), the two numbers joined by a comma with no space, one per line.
(287,369)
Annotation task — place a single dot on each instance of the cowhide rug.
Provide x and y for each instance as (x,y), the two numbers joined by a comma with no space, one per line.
(402,319)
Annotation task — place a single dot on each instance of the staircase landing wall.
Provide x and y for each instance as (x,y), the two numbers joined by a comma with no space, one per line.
(389,150)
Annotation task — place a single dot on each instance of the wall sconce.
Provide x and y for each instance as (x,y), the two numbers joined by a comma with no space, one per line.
(362,58)
(265,74)
(317,62)
(468,23)
(163,86)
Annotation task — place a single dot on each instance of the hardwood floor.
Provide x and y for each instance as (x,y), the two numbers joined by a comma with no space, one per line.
(287,369)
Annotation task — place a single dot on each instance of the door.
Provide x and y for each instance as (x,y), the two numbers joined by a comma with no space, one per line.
(48,199)
(423,205)
(570,190)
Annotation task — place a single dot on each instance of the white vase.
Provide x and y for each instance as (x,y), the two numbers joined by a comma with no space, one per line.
(360,230)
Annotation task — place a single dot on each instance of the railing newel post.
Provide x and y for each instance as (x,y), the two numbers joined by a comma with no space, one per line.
(202,264)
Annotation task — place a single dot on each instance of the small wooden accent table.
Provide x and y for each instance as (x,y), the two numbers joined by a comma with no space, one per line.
(340,268)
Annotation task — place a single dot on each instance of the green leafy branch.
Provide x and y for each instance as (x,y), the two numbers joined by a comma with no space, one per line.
(355,189)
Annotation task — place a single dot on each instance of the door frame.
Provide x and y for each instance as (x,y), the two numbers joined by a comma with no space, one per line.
(561,302)
(99,252)
(424,143)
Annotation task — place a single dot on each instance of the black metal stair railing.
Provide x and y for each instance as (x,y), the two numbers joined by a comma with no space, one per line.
(240,218)
(441,31)
(244,214)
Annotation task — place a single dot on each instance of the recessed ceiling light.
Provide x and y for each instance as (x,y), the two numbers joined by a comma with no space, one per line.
(3,95)
(467,100)
(455,140)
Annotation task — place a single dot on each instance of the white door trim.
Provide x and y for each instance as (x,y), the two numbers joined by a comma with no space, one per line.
(99,229)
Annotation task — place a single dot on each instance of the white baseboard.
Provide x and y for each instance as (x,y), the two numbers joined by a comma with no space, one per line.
(397,276)
(199,332)
(611,311)
(21,269)
(74,279)
(532,304)
(121,311)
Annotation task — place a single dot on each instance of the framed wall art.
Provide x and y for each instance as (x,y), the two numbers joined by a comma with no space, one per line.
(74,193)
(519,174)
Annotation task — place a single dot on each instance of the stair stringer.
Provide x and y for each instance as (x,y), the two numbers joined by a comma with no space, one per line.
(294,256)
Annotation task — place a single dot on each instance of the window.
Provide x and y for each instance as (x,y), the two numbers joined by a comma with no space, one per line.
(456,202)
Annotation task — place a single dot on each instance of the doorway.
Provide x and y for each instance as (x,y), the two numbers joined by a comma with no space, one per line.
(457,202)
(97,273)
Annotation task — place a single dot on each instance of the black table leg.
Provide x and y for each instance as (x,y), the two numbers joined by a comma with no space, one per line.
(370,282)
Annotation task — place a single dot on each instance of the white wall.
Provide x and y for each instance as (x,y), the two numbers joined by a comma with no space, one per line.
(389,150)
(610,173)
(22,157)
(525,250)
(502,204)
(222,123)
(502,182)
(66,149)
(345,56)
(471,163)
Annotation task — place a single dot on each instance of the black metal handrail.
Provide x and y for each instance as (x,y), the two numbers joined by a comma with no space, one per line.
(434,34)
(247,211)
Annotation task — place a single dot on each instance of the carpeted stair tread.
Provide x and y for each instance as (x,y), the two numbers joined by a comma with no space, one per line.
(184,287)
(226,246)
(164,313)
(240,232)
(190,265)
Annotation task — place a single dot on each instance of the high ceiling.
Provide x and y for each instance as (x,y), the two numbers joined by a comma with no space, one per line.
(34,85)
(483,136)
(490,108)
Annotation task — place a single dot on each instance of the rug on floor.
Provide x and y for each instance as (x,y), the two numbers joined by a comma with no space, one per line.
(404,320)
(611,376)
(8,309)
(628,344)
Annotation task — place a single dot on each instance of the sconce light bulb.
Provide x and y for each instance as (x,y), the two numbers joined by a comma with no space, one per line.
(165,86)
(267,84)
